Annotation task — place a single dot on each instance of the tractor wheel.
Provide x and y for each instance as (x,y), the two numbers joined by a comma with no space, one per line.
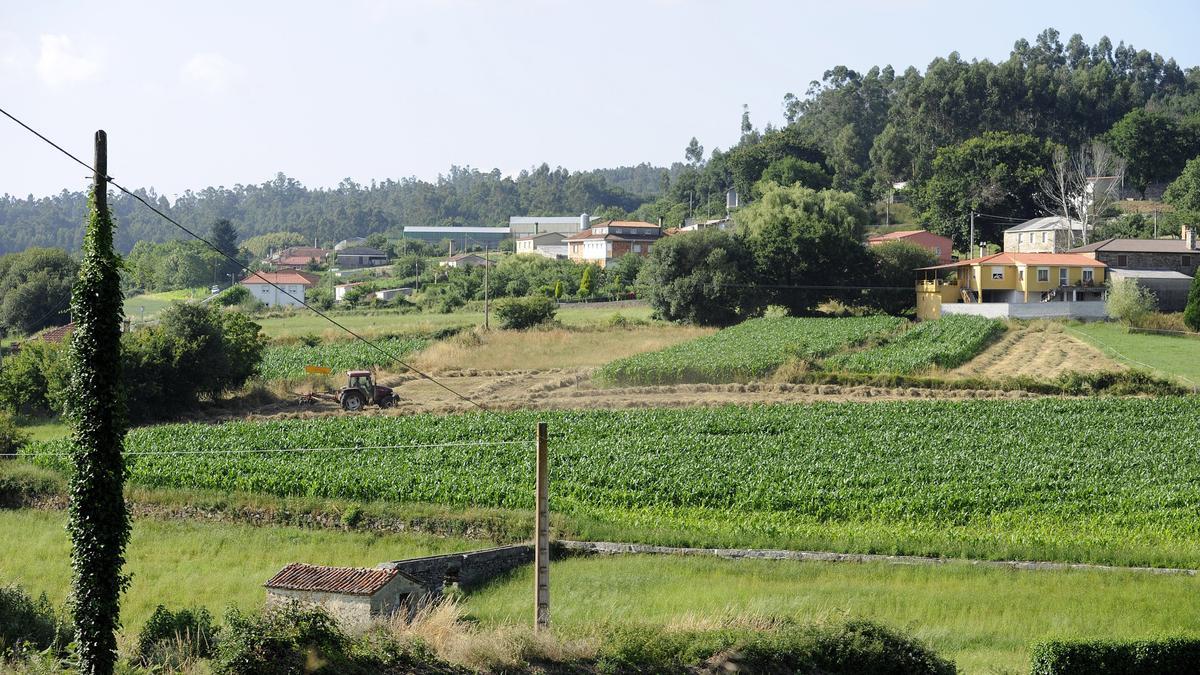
(387,402)
(353,402)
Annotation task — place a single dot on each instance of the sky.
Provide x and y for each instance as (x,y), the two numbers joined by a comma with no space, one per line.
(216,93)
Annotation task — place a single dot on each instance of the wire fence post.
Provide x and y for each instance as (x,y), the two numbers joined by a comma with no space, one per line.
(541,551)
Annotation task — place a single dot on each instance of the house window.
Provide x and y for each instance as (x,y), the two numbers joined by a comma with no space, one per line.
(997,273)
(1043,274)
(938,251)
(1043,237)
(1122,260)
(1020,237)
(637,248)
(1185,260)
(1020,275)
(1062,276)
(1088,274)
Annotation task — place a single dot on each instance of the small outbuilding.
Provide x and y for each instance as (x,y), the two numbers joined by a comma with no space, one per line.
(349,594)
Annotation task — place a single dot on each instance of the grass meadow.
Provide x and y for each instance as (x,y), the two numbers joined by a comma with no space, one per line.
(984,618)
(1175,357)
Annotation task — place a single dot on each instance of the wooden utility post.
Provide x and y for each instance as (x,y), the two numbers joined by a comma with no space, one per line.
(541,551)
(486,299)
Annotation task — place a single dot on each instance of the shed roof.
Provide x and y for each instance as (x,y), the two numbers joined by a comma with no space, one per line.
(58,334)
(362,250)
(896,235)
(1137,246)
(347,580)
(1151,274)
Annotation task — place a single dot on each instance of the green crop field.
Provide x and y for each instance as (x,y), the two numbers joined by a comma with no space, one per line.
(282,361)
(747,351)
(1095,480)
(948,342)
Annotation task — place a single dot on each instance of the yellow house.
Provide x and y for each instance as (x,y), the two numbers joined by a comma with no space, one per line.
(1040,281)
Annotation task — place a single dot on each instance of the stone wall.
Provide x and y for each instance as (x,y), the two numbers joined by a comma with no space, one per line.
(468,570)
(1172,262)
(346,609)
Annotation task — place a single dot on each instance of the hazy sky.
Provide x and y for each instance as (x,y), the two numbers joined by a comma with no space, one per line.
(205,93)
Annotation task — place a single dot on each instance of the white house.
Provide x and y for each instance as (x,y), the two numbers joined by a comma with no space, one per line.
(1051,234)
(280,289)
(351,595)
(465,260)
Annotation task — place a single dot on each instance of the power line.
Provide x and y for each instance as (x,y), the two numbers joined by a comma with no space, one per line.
(242,267)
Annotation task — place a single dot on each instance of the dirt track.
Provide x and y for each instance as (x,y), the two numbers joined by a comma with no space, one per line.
(572,389)
(1043,352)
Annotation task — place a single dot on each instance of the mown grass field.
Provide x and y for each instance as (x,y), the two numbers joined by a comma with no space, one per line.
(983,618)
(1102,480)
(372,324)
(1177,357)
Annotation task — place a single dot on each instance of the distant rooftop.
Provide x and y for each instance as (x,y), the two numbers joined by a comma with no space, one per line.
(1047,223)
(1137,246)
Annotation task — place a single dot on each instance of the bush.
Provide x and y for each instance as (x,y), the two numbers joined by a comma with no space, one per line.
(704,277)
(296,639)
(1191,313)
(234,296)
(1129,302)
(851,647)
(518,313)
(22,484)
(29,623)
(11,436)
(174,638)
(1095,657)
(33,381)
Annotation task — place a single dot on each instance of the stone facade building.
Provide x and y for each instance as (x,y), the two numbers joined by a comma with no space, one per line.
(1052,234)
(350,594)
(1174,259)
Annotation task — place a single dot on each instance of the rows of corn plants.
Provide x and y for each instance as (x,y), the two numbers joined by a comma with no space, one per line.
(747,351)
(284,361)
(948,342)
(1061,478)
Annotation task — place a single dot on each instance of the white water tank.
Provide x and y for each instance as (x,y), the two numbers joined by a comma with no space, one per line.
(584,222)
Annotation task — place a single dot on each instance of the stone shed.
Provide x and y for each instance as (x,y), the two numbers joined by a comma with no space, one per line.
(350,594)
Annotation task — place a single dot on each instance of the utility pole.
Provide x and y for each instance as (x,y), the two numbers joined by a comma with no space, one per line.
(971,244)
(541,551)
(1156,223)
(487,307)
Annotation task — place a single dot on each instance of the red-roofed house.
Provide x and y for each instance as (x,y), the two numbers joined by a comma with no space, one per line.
(939,245)
(298,257)
(606,241)
(280,289)
(350,594)
(1017,285)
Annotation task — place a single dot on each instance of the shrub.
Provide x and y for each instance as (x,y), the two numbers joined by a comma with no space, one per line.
(234,296)
(845,648)
(22,484)
(173,638)
(517,313)
(1096,657)
(25,622)
(1191,313)
(1129,302)
(11,436)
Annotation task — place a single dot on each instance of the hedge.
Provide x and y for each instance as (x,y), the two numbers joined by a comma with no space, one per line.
(1097,657)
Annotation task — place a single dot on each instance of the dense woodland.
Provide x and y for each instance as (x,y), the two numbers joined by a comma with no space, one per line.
(854,132)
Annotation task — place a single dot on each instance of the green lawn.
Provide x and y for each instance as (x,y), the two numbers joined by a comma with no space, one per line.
(1172,356)
(193,563)
(983,618)
(46,430)
(384,323)
(157,302)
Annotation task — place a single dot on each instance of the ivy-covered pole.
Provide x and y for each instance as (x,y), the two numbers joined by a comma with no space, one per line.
(98,521)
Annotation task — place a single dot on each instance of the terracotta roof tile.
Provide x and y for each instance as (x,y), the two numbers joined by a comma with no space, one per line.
(57,334)
(286,277)
(349,580)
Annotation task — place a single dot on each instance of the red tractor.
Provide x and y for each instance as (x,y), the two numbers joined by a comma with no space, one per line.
(361,391)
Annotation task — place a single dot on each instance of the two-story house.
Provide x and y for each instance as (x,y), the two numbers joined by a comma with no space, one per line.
(1019,285)
(608,240)
(280,289)
(1052,234)
(1164,266)
(940,246)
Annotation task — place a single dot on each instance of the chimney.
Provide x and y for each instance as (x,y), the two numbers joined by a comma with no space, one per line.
(1189,237)
(584,222)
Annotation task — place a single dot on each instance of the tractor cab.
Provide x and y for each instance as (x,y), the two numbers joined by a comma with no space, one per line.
(361,390)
